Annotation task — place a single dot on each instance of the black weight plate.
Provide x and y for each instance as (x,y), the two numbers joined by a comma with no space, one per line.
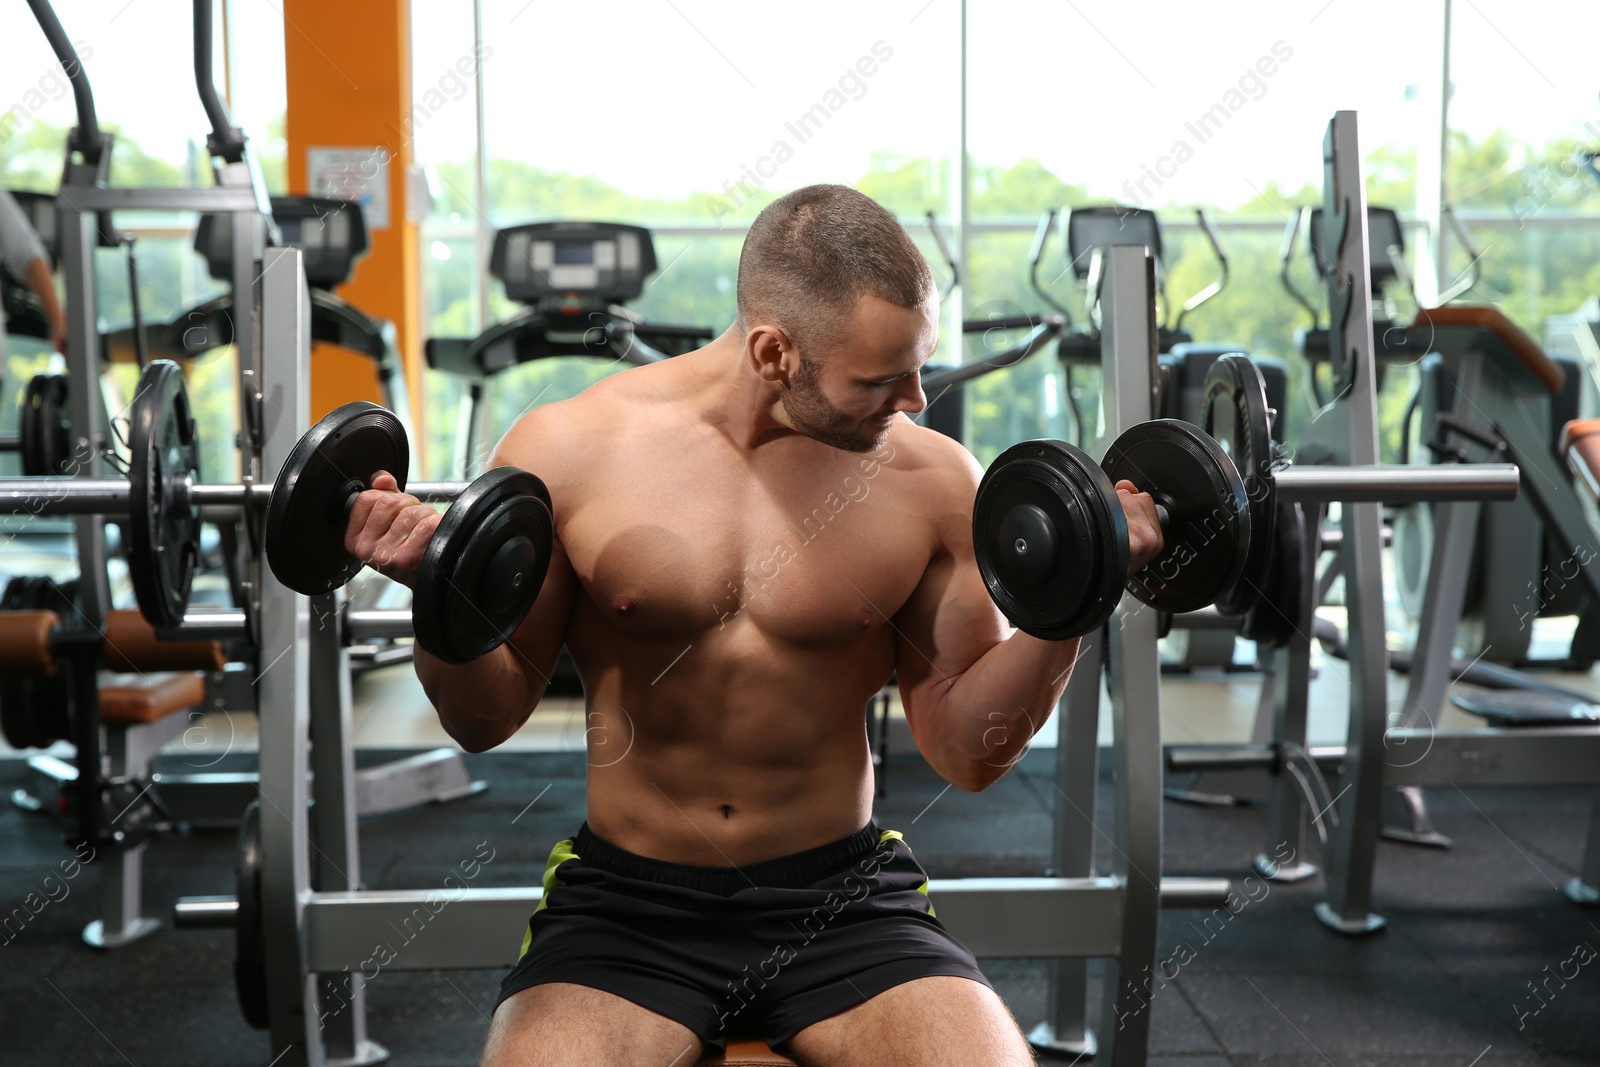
(1271,622)
(37,712)
(484,565)
(56,431)
(17,715)
(164,526)
(1051,539)
(1208,531)
(45,433)
(1235,414)
(30,432)
(30,435)
(249,961)
(311,498)
(52,696)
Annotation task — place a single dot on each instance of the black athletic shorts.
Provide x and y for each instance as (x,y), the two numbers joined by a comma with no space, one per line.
(763,950)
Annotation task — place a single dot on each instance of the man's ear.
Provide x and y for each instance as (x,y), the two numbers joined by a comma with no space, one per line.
(770,352)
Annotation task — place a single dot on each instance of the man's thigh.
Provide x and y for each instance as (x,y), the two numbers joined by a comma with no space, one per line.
(931,1022)
(561,1025)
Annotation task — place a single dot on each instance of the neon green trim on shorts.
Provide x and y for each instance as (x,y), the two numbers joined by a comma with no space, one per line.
(896,835)
(558,855)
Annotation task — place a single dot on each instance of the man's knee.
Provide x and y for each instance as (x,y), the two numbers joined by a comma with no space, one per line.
(920,1021)
(562,1025)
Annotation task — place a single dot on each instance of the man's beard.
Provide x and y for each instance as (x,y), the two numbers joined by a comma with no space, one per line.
(815,417)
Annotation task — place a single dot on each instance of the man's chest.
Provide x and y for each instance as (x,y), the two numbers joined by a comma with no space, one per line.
(814,557)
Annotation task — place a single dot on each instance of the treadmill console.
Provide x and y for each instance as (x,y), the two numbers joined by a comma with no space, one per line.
(1089,228)
(332,233)
(598,263)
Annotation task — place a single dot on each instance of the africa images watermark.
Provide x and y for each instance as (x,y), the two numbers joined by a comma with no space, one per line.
(340,989)
(1555,578)
(851,490)
(851,85)
(855,886)
(1136,992)
(450,86)
(1198,533)
(53,890)
(1251,85)
(1544,993)
(1542,190)
(49,86)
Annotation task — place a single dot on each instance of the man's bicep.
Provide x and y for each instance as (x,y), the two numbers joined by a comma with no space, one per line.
(950,620)
(531,445)
(536,644)
(946,626)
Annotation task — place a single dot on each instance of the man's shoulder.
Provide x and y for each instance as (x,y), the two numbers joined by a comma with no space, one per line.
(579,427)
(943,461)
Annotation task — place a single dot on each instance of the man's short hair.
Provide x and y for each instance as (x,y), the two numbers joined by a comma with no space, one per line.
(811,254)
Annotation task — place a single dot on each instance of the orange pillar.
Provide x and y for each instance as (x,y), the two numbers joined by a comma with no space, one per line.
(349,83)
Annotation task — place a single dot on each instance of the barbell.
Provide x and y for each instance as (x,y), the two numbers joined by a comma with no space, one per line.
(1051,537)
(481,573)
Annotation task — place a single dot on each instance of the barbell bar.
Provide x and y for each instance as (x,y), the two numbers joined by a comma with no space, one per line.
(480,573)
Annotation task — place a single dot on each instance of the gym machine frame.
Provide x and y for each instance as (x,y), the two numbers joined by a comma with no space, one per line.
(84,193)
(239,196)
(1488,418)
(1535,755)
(1130,397)
(1484,756)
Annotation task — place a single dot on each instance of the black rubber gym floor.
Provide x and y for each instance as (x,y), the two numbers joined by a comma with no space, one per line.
(1449,984)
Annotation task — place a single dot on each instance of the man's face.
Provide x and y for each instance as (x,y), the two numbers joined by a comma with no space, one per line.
(850,396)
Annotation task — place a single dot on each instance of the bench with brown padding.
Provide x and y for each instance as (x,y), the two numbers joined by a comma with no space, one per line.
(1580,444)
(130,645)
(1511,336)
(746,1053)
(139,700)
(159,680)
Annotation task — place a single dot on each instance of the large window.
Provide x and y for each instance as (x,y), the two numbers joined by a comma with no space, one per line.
(1183,110)
(1524,107)
(140,63)
(682,117)
(677,116)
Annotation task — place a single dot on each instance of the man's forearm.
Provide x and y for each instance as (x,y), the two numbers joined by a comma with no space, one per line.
(986,717)
(480,703)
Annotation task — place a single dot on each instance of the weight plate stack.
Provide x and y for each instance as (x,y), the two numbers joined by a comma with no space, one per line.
(43,429)
(1207,536)
(316,488)
(484,566)
(1236,415)
(1051,539)
(164,526)
(250,962)
(1272,619)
